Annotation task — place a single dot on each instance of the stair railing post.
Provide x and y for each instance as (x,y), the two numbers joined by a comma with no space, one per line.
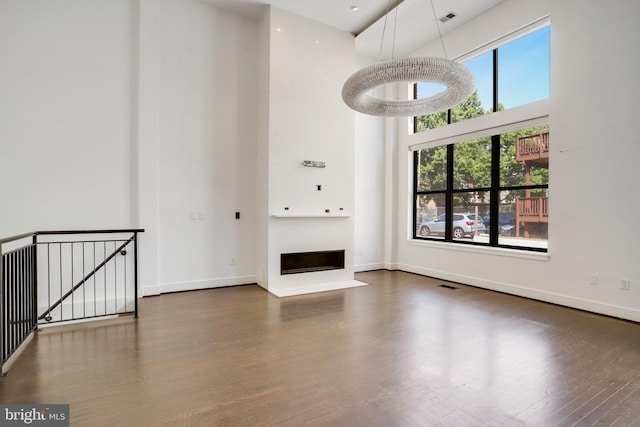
(135,271)
(3,313)
(34,275)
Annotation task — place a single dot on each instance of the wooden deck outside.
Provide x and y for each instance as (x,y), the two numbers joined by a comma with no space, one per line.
(532,209)
(532,150)
(404,351)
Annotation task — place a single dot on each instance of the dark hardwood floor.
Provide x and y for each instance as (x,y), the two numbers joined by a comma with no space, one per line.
(404,351)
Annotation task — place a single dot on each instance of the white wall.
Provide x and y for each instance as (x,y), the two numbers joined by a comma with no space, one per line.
(594,148)
(123,113)
(262,152)
(206,147)
(370,189)
(65,114)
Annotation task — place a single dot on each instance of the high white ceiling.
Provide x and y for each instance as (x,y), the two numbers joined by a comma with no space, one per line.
(415,19)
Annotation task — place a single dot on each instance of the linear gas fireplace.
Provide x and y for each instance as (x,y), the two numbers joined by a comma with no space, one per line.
(305,262)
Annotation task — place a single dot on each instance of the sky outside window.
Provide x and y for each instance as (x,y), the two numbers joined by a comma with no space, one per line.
(523,69)
(523,73)
(482,69)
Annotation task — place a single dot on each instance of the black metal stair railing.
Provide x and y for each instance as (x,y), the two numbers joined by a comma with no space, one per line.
(18,296)
(58,276)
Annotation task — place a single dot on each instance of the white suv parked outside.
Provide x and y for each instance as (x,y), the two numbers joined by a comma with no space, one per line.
(463,225)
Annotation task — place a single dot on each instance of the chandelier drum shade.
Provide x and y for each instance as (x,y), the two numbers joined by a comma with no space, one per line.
(457,78)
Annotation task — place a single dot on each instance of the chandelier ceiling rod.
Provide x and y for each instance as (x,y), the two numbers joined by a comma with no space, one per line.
(384,29)
(435,18)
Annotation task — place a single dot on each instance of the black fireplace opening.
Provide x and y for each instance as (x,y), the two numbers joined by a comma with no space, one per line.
(306,262)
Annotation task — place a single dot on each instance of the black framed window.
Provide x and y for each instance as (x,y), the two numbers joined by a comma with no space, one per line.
(489,191)
(508,76)
(492,190)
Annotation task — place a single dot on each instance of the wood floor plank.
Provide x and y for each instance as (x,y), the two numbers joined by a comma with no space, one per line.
(404,351)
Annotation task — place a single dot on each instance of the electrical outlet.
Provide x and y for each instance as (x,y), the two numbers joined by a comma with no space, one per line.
(625,284)
(593,280)
(233,260)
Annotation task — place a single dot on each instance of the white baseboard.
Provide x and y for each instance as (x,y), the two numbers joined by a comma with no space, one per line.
(369,267)
(147,291)
(201,284)
(551,297)
(85,310)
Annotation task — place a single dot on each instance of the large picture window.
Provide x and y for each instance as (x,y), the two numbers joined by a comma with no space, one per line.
(491,190)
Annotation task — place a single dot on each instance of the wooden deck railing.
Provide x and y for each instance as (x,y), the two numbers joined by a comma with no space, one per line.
(532,209)
(532,147)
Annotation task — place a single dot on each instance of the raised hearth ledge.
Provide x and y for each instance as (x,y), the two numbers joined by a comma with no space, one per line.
(311,215)
(319,287)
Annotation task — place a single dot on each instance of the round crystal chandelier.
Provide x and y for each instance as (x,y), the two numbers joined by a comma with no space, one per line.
(456,77)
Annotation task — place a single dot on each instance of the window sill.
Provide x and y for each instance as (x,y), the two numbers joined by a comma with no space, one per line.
(486,250)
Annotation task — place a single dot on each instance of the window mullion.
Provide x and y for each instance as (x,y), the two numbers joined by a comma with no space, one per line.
(416,172)
(495,80)
(449,209)
(494,201)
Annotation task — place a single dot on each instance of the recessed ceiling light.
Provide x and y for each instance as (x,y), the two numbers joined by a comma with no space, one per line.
(354,8)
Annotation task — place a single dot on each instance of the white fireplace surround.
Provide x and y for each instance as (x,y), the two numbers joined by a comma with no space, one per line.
(305,209)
